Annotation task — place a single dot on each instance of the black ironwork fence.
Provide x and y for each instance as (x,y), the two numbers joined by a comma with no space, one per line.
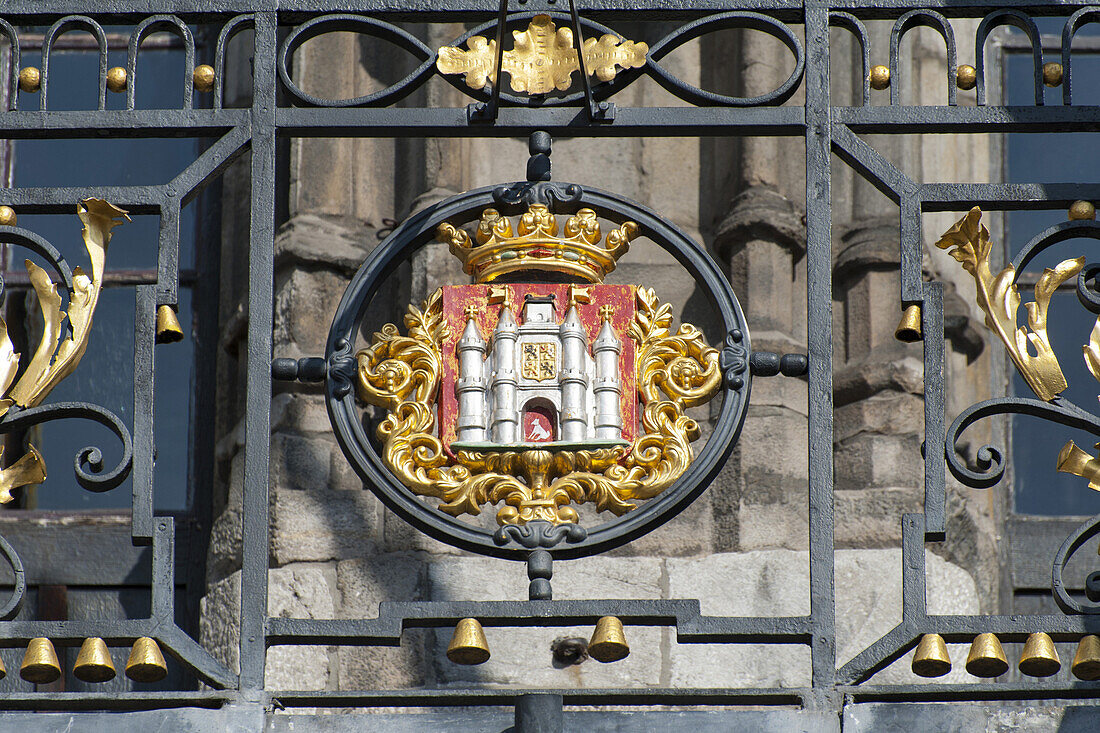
(280,110)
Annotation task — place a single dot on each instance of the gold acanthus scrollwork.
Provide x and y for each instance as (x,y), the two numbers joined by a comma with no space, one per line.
(968,242)
(58,352)
(542,59)
(676,370)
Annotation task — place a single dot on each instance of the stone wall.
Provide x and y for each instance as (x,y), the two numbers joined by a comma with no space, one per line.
(741,547)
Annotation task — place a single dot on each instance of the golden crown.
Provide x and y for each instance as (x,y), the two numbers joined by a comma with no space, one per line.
(495,251)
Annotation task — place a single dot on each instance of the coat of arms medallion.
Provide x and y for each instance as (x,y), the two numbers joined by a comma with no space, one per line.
(538,388)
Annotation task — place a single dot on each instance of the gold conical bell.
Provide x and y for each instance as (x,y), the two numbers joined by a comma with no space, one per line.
(93,663)
(987,657)
(468,645)
(40,664)
(168,326)
(1039,658)
(909,329)
(3,670)
(608,643)
(931,658)
(146,663)
(1086,663)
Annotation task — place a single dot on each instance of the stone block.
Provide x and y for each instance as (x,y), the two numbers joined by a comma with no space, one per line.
(872,517)
(299,591)
(299,462)
(522,657)
(316,241)
(362,584)
(885,413)
(878,461)
(776,583)
(296,412)
(305,302)
(865,611)
(317,525)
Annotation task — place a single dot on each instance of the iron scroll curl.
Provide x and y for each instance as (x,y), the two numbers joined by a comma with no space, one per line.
(417,231)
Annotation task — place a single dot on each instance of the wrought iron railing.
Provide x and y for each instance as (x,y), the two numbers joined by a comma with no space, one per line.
(280,109)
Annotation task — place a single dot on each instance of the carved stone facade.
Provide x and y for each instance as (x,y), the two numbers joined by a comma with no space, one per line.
(336,552)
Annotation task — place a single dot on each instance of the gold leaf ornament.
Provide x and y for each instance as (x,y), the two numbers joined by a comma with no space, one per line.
(60,349)
(543,58)
(968,242)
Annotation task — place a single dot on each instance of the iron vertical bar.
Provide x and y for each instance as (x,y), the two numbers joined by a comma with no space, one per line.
(168,253)
(164,570)
(819,297)
(141,525)
(258,400)
(935,492)
(578,45)
(539,714)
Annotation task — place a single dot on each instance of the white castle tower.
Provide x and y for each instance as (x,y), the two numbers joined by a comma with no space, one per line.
(470,388)
(505,414)
(607,387)
(573,378)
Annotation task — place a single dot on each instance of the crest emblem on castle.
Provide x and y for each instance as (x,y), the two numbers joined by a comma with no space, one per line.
(540,379)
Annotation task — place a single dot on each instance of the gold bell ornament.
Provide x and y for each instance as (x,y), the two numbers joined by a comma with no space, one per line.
(168,326)
(931,658)
(40,664)
(93,663)
(608,643)
(909,329)
(146,663)
(1039,658)
(987,657)
(468,644)
(1086,663)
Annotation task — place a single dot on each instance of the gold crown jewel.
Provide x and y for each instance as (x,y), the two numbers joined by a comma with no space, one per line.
(495,251)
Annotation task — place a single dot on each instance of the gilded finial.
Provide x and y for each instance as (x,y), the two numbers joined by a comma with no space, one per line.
(203,78)
(30,79)
(966,77)
(1081,211)
(606,311)
(7,216)
(116,79)
(470,312)
(880,77)
(1052,74)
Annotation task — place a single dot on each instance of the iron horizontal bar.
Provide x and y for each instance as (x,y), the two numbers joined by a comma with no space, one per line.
(441,697)
(116,632)
(393,617)
(978,691)
(1004,196)
(115,700)
(120,123)
(438,10)
(17,280)
(558,121)
(446,10)
(1009,628)
(63,200)
(889,119)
